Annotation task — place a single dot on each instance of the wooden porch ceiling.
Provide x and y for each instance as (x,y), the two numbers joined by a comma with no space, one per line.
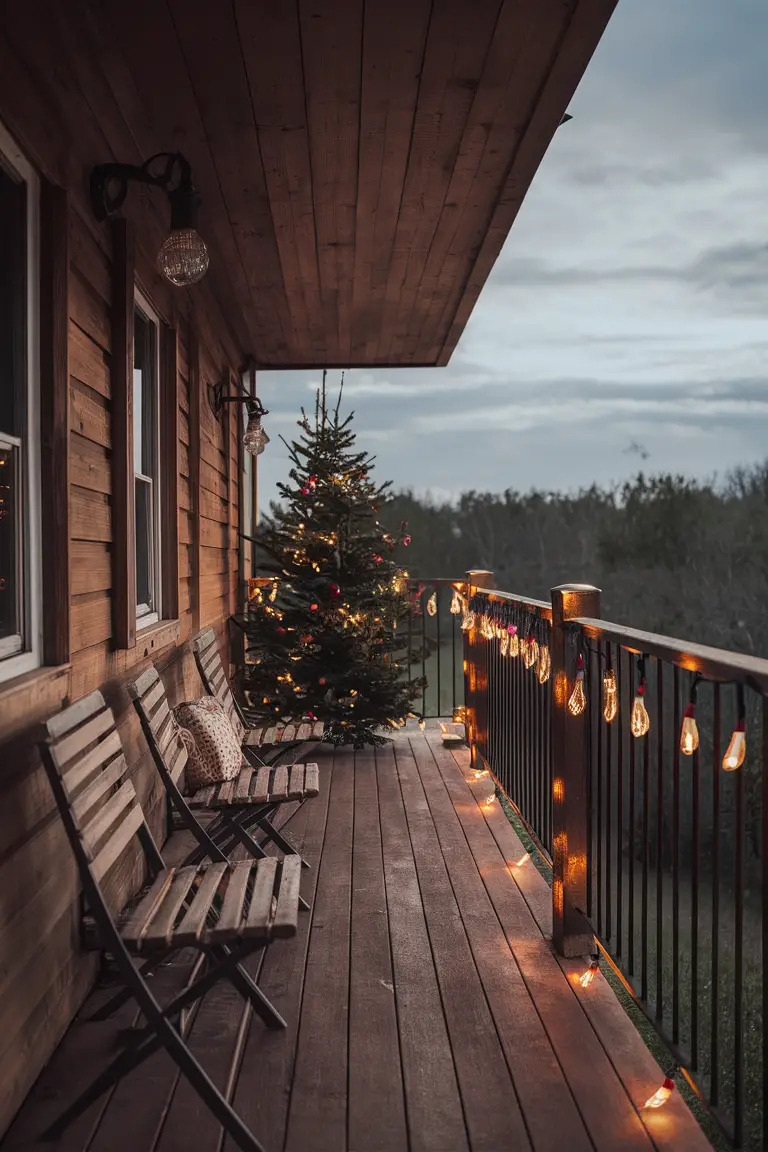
(361,162)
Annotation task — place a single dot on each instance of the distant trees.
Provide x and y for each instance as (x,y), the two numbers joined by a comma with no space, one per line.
(674,555)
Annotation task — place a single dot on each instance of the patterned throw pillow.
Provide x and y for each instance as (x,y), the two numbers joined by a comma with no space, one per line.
(214,751)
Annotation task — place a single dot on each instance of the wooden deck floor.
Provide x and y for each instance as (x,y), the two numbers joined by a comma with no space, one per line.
(425,1008)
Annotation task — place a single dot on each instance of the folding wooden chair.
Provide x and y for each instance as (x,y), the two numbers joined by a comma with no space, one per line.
(240,805)
(253,739)
(224,911)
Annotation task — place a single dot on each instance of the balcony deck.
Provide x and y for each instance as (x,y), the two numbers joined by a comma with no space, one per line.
(425,1007)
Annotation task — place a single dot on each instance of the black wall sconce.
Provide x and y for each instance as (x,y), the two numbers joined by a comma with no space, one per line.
(255,438)
(183,258)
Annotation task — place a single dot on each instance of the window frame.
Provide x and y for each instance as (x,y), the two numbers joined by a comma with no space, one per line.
(154,614)
(28,656)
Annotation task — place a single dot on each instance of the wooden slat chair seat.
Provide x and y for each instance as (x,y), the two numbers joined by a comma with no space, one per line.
(223,910)
(243,804)
(211,669)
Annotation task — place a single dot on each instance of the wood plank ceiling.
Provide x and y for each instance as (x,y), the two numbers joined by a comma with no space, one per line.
(361,161)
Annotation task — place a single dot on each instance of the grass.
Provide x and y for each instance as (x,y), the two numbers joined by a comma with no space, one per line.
(642,1024)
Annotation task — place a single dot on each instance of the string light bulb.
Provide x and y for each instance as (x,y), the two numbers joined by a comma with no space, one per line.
(588,976)
(610,696)
(504,644)
(736,751)
(640,721)
(455,603)
(661,1095)
(432,604)
(514,645)
(577,701)
(544,668)
(530,652)
(490,800)
(689,732)
(468,622)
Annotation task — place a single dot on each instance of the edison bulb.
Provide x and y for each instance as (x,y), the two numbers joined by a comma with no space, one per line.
(490,799)
(545,664)
(587,977)
(610,696)
(578,698)
(530,652)
(455,604)
(504,644)
(514,645)
(737,749)
(468,622)
(641,721)
(661,1095)
(432,604)
(689,733)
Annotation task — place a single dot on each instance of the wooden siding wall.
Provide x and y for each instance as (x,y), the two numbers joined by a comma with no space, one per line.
(43,973)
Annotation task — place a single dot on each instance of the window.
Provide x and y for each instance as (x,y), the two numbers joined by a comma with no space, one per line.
(146,457)
(20,578)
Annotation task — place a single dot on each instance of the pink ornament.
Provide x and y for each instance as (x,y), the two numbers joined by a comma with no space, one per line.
(512,629)
(305,491)
(406,541)
(335,590)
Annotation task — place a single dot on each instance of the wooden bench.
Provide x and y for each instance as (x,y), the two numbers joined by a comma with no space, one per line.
(211,669)
(247,802)
(224,911)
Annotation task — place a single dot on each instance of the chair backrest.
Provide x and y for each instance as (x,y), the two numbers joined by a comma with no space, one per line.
(83,756)
(151,702)
(214,679)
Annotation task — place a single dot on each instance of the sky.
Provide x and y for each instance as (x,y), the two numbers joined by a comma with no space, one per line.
(625,322)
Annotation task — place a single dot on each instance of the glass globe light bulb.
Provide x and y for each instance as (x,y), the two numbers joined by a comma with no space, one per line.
(183,258)
(641,721)
(545,664)
(737,748)
(578,698)
(689,733)
(610,696)
(255,439)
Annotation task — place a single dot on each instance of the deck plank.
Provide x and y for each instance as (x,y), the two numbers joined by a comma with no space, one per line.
(317,1116)
(551,1116)
(609,1114)
(491,1108)
(435,1117)
(376,1102)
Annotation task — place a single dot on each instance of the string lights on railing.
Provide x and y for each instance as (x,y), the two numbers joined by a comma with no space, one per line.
(456,603)
(737,747)
(544,668)
(610,696)
(577,701)
(640,722)
(662,1093)
(589,974)
(689,733)
(432,604)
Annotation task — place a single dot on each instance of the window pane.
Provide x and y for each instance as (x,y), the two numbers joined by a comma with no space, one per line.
(10,608)
(144,394)
(144,548)
(13,282)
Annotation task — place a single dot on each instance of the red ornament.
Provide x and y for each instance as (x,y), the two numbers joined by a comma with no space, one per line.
(334,590)
(321,680)
(377,558)
(280,630)
(406,541)
(311,716)
(313,481)
(305,491)
(313,607)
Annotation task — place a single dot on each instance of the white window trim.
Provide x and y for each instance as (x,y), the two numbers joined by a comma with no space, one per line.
(14,160)
(146,619)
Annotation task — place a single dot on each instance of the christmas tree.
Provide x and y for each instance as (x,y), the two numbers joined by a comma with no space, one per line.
(327,640)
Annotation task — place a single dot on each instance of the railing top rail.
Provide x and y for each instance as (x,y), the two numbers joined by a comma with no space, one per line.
(457,580)
(542,607)
(713,663)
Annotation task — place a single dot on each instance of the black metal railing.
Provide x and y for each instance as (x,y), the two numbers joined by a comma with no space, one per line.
(436,630)
(649,797)
(519,696)
(678,855)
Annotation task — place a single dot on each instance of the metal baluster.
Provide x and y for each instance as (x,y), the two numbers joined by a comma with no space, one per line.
(454,630)
(423,658)
(608,811)
(714,1084)
(659,840)
(438,590)
(694,910)
(763,917)
(621,680)
(676,859)
(738,999)
(600,763)
(631,878)
(644,880)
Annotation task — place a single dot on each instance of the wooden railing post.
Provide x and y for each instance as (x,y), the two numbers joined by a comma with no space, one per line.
(476,675)
(571,933)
